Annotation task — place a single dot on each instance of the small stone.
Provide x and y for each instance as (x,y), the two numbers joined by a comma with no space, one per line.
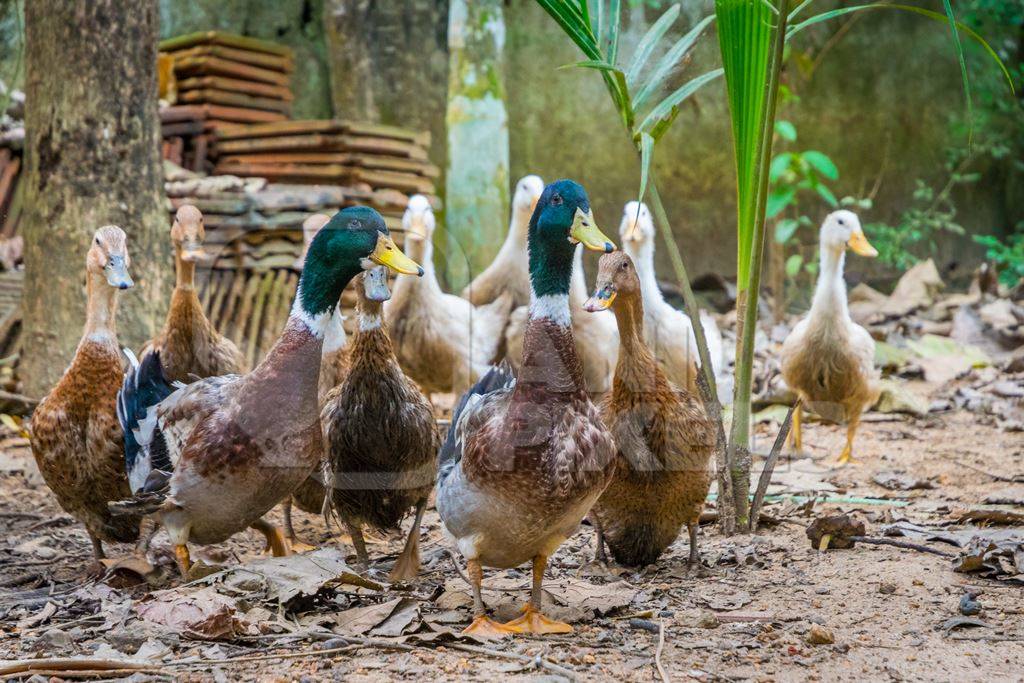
(709,621)
(887,588)
(54,639)
(822,590)
(333,643)
(819,635)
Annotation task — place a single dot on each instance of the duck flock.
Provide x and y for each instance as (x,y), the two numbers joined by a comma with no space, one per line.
(574,401)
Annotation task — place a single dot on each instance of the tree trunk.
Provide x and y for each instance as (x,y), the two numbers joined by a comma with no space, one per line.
(477,180)
(388,63)
(92,159)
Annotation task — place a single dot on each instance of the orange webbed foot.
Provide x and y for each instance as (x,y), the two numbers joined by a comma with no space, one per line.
(485,627)
(533,621)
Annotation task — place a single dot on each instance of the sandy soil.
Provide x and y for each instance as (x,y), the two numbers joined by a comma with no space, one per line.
(749,614)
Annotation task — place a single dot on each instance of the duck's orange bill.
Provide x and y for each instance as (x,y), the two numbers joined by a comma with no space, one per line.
(860,245)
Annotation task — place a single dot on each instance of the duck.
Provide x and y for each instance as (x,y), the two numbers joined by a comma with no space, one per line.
(667,330)
(75,435)
(528,455)
(190,348)
(311,495)
(376,480)
(443,342)
(595,336)
(509,270)
(209,459)
(828,359)
(664,437)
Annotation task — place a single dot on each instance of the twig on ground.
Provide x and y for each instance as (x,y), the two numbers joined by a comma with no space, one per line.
(769,466)
(900,544)
(536,661)
(1017,479)
(62,666)
(657,653)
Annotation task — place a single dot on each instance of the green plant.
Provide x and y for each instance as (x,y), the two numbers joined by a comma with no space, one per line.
(1008,256)
(751,37)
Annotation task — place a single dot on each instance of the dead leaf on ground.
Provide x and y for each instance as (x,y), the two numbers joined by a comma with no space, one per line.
(991,516)
(916,289)
(386,619)
(901,481)
(992,559)
(961,622)
(834,531)
(600,599)
(723,601)
(280,579)
(203,613)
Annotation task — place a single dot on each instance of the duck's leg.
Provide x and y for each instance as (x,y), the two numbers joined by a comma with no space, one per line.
(407,566)
(483,626)
(276,542)
(533,620)
(362,557)
(297,546)
(97,547)
(147,530)
(795,436)
(846,457)
(599,553)
(694,560)
(183,558)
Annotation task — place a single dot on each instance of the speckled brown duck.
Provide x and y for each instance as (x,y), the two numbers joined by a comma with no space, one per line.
(76,439)
(380,435)
(828,359)
(211,458)
(527,457)
(190,348)
(664,437)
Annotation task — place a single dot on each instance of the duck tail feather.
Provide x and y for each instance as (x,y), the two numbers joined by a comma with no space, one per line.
(145,449)
(499,377)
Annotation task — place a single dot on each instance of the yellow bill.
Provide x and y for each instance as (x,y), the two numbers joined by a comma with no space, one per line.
(860,245)
(387,253)
(584,230)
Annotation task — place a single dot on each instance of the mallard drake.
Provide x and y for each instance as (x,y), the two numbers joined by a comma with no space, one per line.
(375,480)
(595,336)
(664,437)
(190,348)
(525,460)
(509,271)
(668,331)
(311,494)
(828,359)
(76,438)
(211,458)
(443,342)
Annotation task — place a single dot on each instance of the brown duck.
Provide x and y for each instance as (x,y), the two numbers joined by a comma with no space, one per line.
(190,348)
(662,432)
(380,435)
(76,438)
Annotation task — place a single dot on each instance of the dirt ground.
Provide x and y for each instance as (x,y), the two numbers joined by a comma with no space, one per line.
(751,613)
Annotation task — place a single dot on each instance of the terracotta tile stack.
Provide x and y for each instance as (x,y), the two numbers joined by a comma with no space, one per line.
(212,79)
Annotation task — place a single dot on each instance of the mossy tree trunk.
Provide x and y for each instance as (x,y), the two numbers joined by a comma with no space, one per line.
(477,178)
(92,159)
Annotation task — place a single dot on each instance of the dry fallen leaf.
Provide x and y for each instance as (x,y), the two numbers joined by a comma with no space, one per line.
(203,613)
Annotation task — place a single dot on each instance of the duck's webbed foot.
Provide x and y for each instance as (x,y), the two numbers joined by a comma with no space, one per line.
(533,620)
(277,544)
(485,627)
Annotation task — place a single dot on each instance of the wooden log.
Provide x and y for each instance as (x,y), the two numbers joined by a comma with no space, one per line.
(226,39)
(319,142)
(373,161)
(235,99)
(233,116)
(280,197)
(272,171)
(279,128)
(200,151)
(279,92)
(407,182)
(216,66)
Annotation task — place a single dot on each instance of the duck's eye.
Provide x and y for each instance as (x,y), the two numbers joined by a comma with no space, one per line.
(556,200)
(624,266)
(842,221)
(97,241)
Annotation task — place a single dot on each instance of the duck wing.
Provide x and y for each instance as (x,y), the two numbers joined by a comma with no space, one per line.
(473,409)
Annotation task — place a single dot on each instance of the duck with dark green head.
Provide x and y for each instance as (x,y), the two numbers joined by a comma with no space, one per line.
(527,457)
(211,458)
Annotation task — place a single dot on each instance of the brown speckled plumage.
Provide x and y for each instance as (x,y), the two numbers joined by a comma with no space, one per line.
(664,438)
(379,431)
(76,437)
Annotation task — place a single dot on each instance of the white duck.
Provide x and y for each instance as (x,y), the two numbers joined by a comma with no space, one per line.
(443,342)
(509,269)
(828,359)
(668,330)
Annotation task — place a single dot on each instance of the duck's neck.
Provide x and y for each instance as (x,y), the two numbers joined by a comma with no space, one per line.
(550,365)
(100,311)
(636,366)
(409,286)
(643,256)
(371,343)
(185,272)
(830,294)
(514,246)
